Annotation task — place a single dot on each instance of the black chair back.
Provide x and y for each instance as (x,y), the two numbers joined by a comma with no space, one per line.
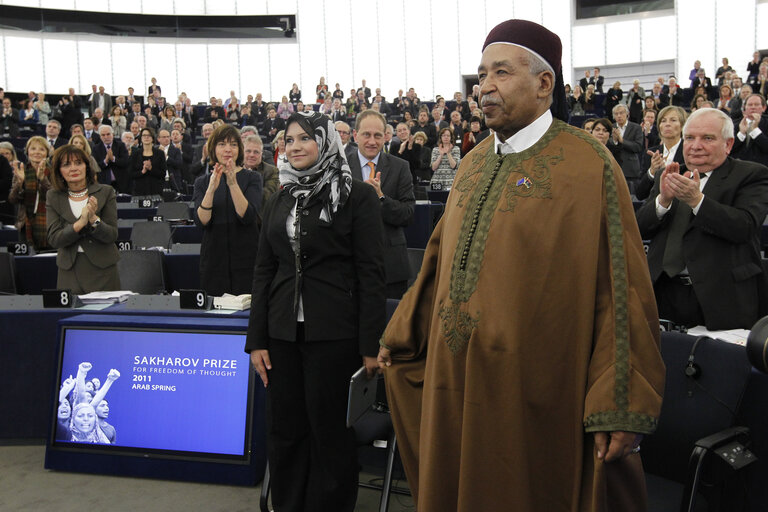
(142,272)
(151,234)
(415,257)
(174,211)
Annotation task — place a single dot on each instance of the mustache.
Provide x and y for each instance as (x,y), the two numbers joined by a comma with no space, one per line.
(489,100)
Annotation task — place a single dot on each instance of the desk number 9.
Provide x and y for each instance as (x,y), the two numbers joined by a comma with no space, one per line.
(200,299)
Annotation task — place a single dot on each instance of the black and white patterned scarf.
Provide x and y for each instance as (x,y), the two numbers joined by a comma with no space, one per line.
(328,179)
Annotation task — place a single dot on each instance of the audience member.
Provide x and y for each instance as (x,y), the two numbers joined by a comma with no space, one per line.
(118,121)
(601,129)
(390,178)
(753,67)
(294,96)
(628,136)
(650,133)
(112,157)
(309,328)
(43,109)
(28,117)
(253,150)
(612,98)
(657,157)
(445,161)
(721,71)
(147,166)
(423,125)
(227,204)
(79,140)
(278,145)
(7,209)
(406,149)
(31,182)
(52,132)
(751,142)
(634,99)
(675,93)
(694,72)
(174,163)
(82,224)
(716,207)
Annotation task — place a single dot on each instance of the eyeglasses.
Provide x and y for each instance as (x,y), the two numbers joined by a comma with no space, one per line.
(343,131)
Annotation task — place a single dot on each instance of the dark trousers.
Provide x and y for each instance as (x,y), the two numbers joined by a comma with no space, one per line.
(677,301)
(312,454)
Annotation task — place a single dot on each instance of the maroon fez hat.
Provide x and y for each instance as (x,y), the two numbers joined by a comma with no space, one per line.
(541,42)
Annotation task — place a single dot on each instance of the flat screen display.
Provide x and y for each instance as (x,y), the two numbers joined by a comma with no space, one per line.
(154,391)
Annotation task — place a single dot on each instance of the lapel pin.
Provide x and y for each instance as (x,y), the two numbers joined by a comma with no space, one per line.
(525,181)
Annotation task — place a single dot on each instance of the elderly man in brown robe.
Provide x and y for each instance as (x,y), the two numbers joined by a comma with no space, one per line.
(522,367)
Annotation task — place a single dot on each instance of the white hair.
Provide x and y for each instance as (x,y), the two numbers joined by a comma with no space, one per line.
(726,130)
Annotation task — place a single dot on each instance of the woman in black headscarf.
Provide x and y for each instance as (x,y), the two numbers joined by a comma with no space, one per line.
(317,312)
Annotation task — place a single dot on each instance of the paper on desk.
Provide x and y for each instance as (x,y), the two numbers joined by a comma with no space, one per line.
(106,297)
(735,336)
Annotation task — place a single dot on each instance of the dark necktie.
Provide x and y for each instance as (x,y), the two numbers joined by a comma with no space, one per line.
(386,147)
(673,262)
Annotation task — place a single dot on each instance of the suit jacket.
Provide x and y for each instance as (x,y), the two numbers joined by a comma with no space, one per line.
(58,142)
(95,139)
(631,149)
(119,167)
(720,245)
(644,186)
(341,278)
(396,209)
(98,243)
(187,154)
(583,83)
(598,84)
(151,182)
(754,150)
(175,165)
(429,131)
(95,103)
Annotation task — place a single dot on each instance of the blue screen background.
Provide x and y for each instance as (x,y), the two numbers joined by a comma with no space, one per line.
(204,413)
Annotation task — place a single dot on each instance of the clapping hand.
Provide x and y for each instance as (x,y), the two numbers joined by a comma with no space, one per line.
(216,173)
(41,170)
(91,208)
(657,161)
(147,166)
(375,182)
(18,170)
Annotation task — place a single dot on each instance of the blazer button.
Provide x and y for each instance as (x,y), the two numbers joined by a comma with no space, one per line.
(304,256)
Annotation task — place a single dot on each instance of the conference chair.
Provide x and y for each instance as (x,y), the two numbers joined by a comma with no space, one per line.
(175,211)
(705,381)
(7,274)
(151,234)
(142,272)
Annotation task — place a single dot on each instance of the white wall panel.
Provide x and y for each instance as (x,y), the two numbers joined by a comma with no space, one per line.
(92,5)
(588,46)
(220,8)
(128,69)
(393,52)
(284,60)
(95,64)
(365,41)
(61,71)
(418,58)
(557,18)
(472,35)
(761,37)
(191,67)
(189,7)
(251,7)
(730,19)
(55,4)
(160,62)
(148,6)
(445,27)
(657,36)
(530,10)
(253,70)
(24,62)
(338,45)
(696,26)
(311,40)
(497,11)
(223,69)
(624,45)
